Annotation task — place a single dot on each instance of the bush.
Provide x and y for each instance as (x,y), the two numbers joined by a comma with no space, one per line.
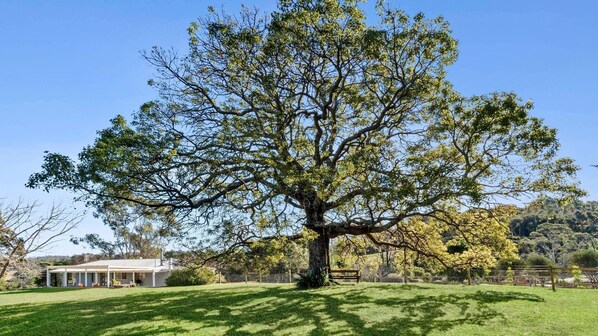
(456,275)
(538,260)
(5,285)
(510,276)
(576,272)
(313,279)
(190,277)
(584,258)
(504,264)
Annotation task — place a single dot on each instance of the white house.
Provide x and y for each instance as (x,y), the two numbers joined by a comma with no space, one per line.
(101,273)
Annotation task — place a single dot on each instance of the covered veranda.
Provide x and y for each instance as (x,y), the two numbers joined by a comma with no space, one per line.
(79,276)
(105,273)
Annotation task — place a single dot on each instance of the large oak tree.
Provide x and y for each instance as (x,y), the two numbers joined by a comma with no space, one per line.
(310,118)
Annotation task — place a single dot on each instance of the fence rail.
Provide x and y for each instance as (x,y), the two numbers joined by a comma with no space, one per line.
(288,277)
(554,277)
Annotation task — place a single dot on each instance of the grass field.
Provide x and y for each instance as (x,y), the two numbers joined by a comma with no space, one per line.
(364,309)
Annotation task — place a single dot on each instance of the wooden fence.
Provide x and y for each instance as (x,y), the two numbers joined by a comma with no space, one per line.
(553,277)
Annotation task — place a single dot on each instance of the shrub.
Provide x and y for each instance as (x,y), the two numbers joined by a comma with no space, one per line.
(510,276)
(503,264)
(460,275)
(190,277)
(538,260)
(576,272)
(313,279)
(5,285)
(585,258)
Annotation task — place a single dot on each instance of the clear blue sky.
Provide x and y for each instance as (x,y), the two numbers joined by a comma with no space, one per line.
(67,67)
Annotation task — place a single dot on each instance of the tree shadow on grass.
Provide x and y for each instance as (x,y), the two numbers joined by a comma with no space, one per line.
(41,290)
(261,310)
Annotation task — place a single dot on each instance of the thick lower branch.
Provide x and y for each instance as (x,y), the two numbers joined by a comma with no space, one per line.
(407,246)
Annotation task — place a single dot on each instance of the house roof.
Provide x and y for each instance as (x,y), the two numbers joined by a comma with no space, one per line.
(126,263)
(117,265)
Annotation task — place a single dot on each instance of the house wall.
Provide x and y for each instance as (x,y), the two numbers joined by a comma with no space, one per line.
(160,279)
(124,278)
(80,278)
(75,278)
(146,279)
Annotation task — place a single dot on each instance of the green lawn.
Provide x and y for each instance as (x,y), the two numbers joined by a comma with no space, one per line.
(364,309)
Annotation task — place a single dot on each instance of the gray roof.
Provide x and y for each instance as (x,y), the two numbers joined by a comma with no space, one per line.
(127,263)
(123,265)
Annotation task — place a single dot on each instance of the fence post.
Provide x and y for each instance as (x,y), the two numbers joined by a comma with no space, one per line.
(469,276)
(404,265)
(290,277)
(245,276)
(552,279)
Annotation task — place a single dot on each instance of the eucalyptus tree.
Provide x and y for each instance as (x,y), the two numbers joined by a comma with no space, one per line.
(311,119)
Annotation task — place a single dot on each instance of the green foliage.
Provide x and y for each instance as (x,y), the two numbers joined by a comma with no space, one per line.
(503,264)
(262,256)
(6,285)
(434,245)
(581,217)
(313,279)
(510,276)
(584,258)
(295,256)
(555,241)
(576,273)
(538,260)
(137,231)
(312,115)
(461,275)
(190,277)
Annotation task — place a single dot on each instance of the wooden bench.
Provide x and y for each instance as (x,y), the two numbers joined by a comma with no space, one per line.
(345,275)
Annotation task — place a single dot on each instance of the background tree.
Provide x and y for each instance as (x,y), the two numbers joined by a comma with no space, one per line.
(23,231)
(580,216)
(94,241)
(137,233)
(295,256)
(556,241)
(584,258)
(311,118)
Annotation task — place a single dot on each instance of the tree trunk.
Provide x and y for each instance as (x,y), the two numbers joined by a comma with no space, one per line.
(7,262)
(318,254)
(319,262)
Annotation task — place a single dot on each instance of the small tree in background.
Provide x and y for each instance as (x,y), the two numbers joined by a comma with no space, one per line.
(138,232)
(584,258)
(510,276)
(556,241)
(538,260)
(26,228)
(577,274)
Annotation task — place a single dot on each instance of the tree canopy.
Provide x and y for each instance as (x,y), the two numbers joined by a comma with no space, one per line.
(138,233)
(310,119)
(580,216)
